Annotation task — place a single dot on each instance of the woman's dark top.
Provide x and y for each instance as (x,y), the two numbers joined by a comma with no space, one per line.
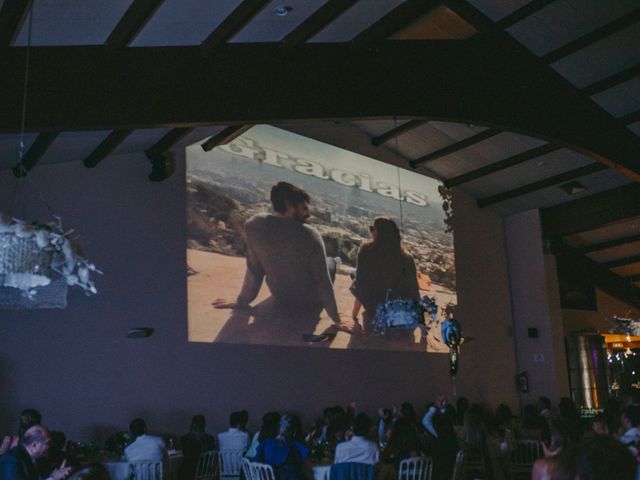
(379,271)
(193,444)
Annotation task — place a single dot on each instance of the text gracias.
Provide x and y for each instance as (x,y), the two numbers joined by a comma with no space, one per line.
(249,148)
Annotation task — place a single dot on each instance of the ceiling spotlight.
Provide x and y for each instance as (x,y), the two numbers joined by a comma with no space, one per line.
(282,10)
(573,188)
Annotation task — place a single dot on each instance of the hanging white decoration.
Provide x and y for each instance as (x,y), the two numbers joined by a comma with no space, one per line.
(33,255)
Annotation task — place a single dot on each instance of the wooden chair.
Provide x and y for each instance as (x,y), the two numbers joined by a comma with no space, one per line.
(415,468)
(207,467)
(522,456)
(261,471)
(146,470)
(230,463)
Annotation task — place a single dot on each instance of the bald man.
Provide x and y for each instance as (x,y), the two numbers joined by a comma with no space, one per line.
(19,462)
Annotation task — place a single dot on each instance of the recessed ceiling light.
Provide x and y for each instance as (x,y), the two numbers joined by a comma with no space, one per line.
(282,10)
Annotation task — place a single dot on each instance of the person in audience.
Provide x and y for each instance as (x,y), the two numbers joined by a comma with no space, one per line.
(404,442)
(55,454)
(531,427)
(234,438)
(193,444)
(481,447)
(613,415)
(568,413)
(358,449)
(269,429)
(19,462)
(631,423)
(443,446)
(544,407)
(28,418)
(384,425)
(599,457)
(244,420)
(384,270)
(144,447)
(286,453)
(559,439)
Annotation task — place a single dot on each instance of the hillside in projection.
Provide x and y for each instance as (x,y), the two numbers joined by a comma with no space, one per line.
(306,263)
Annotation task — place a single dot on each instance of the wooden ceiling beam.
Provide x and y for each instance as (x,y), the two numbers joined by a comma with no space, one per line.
(397,131)
(594,247)
(106,147)
(232,24)
(37,150)
(584,214)
(471,15)
(539,185)
(484,83)
(593,37)
(621,262)
(630,118)
(501,165)
(225,136)
(132,22)
(612,80)
(168,140)
(12,16)
(456,147)
(318,20)
(393,21)
(523,12)
(598,275)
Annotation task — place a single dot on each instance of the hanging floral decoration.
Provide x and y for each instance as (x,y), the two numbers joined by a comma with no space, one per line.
(32,255)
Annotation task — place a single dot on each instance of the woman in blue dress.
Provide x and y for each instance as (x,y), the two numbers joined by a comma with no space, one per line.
(286,453)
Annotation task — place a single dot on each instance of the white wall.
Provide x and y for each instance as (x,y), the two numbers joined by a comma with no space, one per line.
(77,367)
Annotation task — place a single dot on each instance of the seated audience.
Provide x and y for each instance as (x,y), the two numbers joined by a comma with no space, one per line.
(28,418)
(443,446)
(19,463)
(55,454)
(269,429)
(144,447)
(286,453)
(631,424)
(194,443)
(559,439)
(384,425)
(568,413)
(404,442)
(358,449)
(234,438)
(599,457)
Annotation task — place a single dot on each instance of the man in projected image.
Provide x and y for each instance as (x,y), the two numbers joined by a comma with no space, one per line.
(289,253)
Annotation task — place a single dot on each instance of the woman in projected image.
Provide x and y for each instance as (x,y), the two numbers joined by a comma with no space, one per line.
(383,265)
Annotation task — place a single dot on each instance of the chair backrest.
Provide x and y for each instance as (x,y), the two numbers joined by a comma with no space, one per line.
(415,468)
(206,466)
(246,469)
(524,452)
(458,467)
(230,462)
(261,471)
(146,470)
(352,471)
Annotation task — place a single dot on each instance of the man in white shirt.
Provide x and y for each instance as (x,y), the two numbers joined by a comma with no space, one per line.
(144,447)
(234,438)
(358,449)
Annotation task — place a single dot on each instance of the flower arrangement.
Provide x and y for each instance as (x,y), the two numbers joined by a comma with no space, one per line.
(31,254)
